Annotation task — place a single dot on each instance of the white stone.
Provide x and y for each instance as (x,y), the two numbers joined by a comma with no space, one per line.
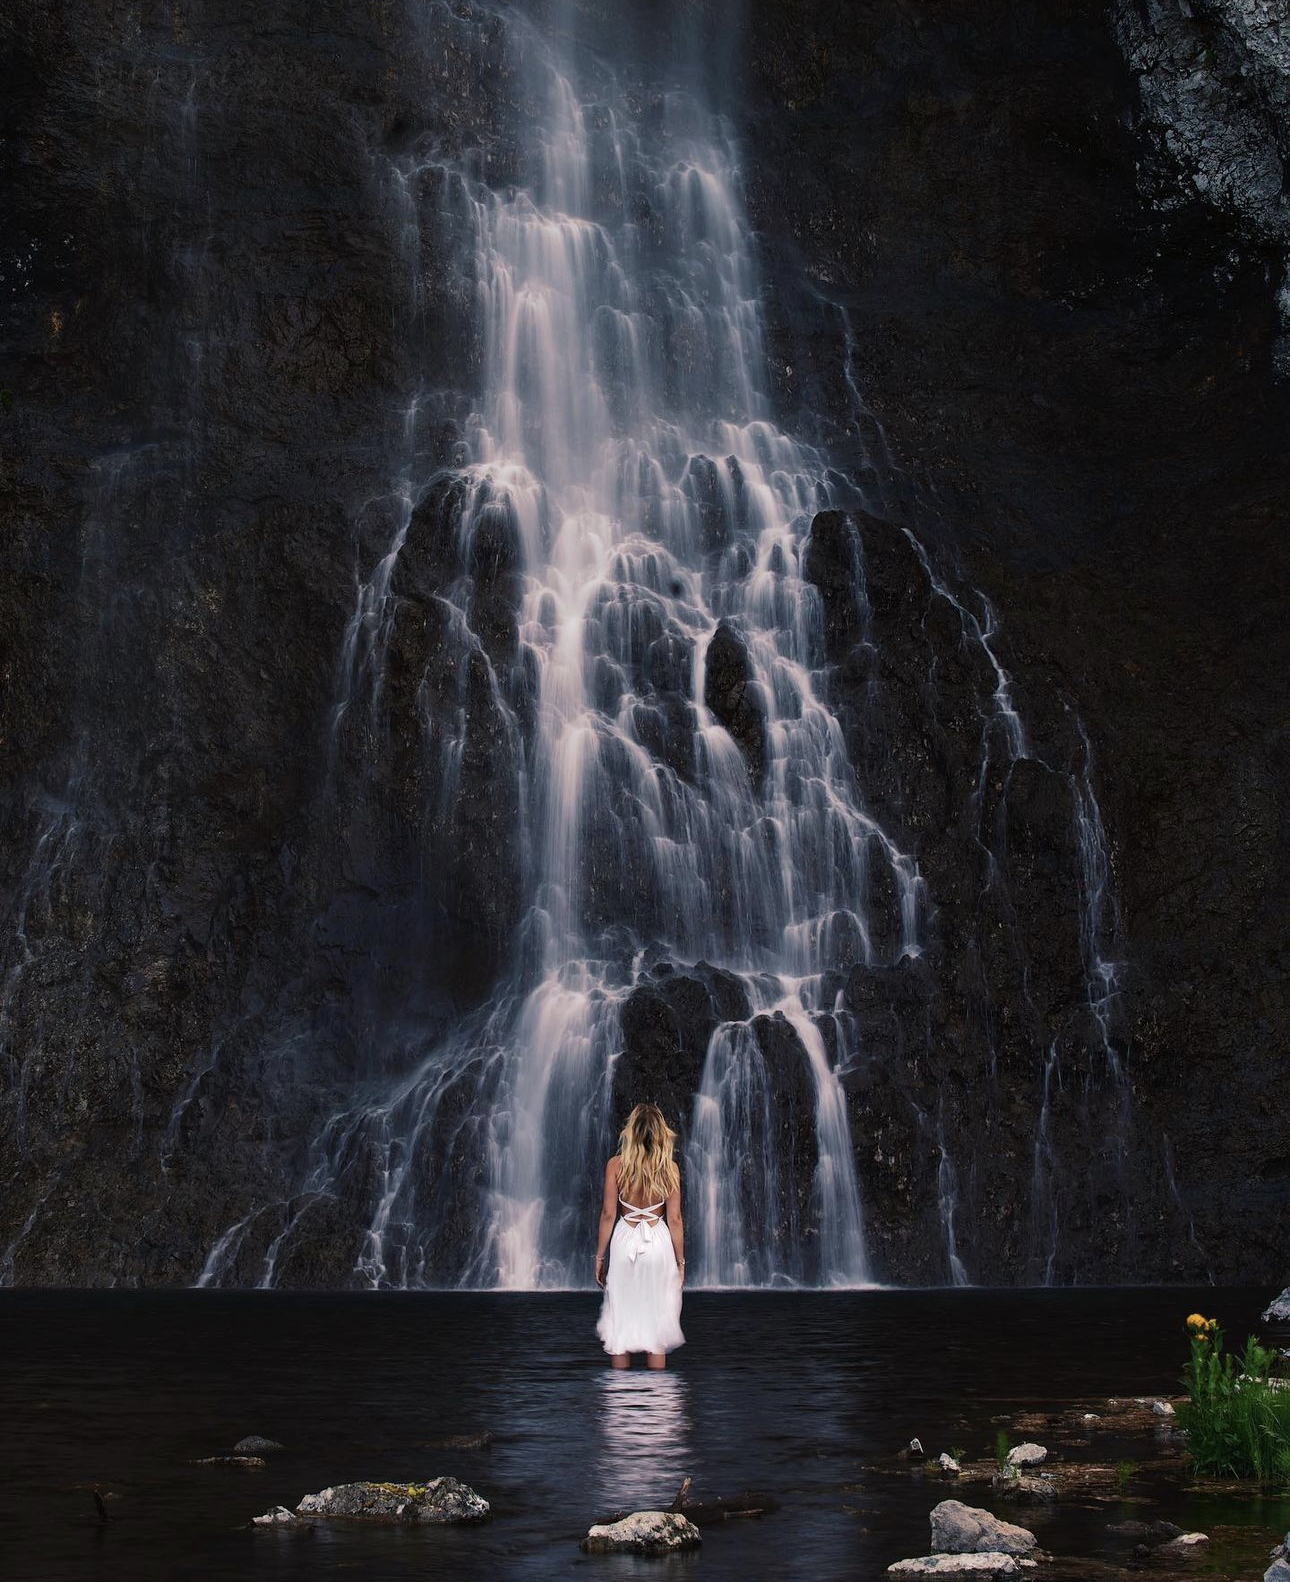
(959,1529)
(279,1516)
(978,1565)
(643,1533)
(948,1465)
(1162,1408)
(1178,1547)
(1027,1455)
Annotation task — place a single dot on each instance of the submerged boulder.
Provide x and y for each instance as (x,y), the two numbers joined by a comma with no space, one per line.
(1020,1486)
(1180,1548)
(255,1445)
(643,1533)
(959,1529)
(441,1500)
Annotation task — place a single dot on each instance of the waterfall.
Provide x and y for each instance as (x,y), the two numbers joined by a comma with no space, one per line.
(685,793)
(596,552)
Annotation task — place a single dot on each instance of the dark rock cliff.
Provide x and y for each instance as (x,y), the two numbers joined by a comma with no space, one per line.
(231,900)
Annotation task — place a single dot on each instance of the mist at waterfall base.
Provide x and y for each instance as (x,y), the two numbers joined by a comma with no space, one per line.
(603,611)
(794,1393)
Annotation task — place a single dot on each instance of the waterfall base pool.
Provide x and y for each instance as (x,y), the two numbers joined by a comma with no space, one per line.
(806,1395)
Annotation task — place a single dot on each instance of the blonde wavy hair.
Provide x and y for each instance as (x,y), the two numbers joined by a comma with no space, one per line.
(646,1146)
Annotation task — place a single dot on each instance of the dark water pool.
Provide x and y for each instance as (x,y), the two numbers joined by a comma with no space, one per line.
(794,1392)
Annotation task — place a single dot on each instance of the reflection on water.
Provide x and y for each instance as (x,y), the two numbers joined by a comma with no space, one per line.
(646,1433)
(797,1394)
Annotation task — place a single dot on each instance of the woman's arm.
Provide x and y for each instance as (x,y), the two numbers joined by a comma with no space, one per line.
(608,1214)
(675,1225)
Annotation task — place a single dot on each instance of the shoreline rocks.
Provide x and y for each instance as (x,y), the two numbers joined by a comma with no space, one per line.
(643,1533)
(1279,1570)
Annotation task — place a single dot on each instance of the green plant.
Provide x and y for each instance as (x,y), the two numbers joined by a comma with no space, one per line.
(958,1454)
(6,401)
(1237,1416)
(1002,1445)
(1125,1471)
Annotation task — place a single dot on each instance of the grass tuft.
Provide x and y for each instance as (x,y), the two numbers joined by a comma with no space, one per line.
(1237,1416)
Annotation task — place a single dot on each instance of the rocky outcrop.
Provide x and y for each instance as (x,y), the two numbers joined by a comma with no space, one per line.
(438,1502)
(1214,99)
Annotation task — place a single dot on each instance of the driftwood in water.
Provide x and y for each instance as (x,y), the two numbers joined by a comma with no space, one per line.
(704,1512)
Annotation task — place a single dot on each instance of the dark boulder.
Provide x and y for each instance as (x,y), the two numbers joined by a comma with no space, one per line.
(731,691)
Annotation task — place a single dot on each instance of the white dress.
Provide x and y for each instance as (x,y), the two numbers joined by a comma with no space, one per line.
(642,1306)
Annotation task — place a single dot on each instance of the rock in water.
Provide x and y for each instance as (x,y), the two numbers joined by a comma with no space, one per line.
(730,690)
(1162,1408)
(959,1529)
(439,1500)
(1278,1309)
(1180,1548)
(948,1465)
(1279,1570)
(1027,1455)
(1157,1530)
(227,1461)
(977,1565)
(279,1516)
(483,1440)
(254,1445)
(1022,1488)
(643,1533)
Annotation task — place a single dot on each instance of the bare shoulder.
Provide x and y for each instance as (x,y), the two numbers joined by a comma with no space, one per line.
(612,1168)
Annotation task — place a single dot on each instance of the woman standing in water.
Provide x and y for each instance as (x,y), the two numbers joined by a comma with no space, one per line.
(642,1306)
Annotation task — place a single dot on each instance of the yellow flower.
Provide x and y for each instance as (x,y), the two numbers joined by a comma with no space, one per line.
(1196,1321)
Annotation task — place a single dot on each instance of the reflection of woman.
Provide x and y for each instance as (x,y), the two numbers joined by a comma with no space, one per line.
(642,1306)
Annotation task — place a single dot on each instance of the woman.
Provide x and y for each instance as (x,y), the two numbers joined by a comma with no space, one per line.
(642,1306)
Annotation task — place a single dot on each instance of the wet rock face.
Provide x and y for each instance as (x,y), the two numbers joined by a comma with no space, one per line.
(245,874)
(730,691)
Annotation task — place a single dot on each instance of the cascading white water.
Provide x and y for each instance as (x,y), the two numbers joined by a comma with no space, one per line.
(624,456)
(622,468)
